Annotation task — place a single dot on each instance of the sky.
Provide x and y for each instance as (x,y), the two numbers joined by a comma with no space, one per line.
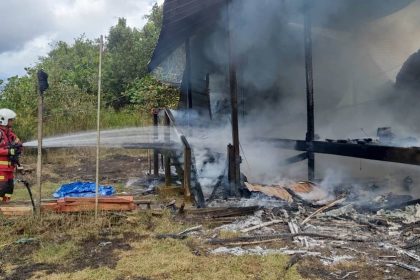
(28,27)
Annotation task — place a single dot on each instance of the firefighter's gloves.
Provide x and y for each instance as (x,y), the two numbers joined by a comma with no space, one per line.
(15,150)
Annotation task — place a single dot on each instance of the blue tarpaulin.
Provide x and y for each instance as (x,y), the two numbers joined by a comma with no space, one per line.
(82,189)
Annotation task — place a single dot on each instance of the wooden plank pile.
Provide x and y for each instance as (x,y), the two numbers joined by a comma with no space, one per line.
(72,204)
(16,210)
(83,204)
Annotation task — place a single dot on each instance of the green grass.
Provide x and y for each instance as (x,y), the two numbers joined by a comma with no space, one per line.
(85,121)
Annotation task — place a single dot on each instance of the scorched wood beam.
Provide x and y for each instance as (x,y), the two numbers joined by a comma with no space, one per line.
(403,155)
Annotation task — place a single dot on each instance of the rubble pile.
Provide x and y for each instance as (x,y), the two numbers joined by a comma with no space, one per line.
(383,233)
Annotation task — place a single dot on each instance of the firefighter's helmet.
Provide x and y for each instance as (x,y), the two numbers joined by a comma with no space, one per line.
(6,115)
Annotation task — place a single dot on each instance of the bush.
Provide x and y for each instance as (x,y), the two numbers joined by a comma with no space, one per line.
(148,93)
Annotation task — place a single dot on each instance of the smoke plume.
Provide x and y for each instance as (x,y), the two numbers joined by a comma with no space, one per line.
(358,49)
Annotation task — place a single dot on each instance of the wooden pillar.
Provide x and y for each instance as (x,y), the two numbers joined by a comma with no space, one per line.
(155,151)
(231,169)
(39,157)
(42,86)
(167,157)
(187,168)
(310,134)
(98,127)
(149,159)
(233,87)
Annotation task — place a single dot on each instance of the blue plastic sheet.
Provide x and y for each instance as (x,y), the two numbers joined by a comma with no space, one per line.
(82,189)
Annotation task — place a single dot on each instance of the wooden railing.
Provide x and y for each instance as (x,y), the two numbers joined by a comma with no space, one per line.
(170,122)
(192,189)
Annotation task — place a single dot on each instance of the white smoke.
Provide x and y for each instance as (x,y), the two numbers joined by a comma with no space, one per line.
(357,51)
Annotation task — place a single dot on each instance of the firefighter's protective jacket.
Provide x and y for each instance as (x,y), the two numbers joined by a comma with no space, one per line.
(7,138)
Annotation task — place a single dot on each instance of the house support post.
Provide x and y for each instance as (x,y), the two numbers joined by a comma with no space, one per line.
(233,87)
(155,137)
(310,134)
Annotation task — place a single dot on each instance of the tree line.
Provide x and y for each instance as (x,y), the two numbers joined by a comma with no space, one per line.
(129,92)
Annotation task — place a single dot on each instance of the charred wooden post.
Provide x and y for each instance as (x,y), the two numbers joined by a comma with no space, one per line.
(231,169)
(167,170)
(149,160)
(233,86)
(167,157)
(155,136)
(310,134)
(187,168)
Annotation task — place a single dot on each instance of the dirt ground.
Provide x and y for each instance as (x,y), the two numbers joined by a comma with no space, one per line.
(124,245)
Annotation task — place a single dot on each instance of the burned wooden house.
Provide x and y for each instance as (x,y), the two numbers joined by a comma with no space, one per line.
(314,80)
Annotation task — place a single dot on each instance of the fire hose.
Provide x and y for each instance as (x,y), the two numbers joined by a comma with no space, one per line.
(26,184)
(15,161)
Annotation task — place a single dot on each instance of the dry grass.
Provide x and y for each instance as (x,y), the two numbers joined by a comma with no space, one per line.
(54,253)
(116,246)
(21,193)
(86,274)
(62,159)
(171,259)
(68,247)
(226,234)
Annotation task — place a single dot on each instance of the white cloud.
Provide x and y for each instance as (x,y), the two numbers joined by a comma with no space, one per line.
(13,62)
(21,21)
(29,26)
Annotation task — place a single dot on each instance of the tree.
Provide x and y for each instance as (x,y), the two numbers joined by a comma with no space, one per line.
(121,62)
(128,52)
(19,95)
(74,65)
(150,34)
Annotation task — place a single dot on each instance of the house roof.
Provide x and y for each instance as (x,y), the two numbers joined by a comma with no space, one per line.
(182,18)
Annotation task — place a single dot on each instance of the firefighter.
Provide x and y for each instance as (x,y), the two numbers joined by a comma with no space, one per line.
(10,150)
